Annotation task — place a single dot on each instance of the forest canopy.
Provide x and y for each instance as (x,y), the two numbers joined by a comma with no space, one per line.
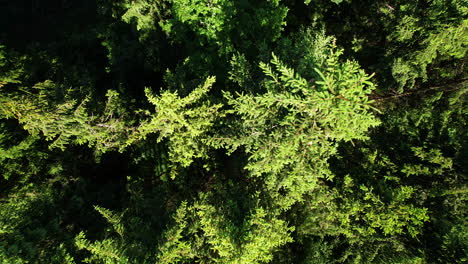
(233,131)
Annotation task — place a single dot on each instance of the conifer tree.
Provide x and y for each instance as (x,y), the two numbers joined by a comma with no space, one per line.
(222,131)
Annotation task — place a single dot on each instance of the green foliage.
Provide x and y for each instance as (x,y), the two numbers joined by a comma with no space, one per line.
(145,13)
(455,244)
(28,219)
(334,1)
(22,159)
(444,45)
(348,144)
(69,122)
(212,21)
(11,68)
(184,122)
(339,213)
(205,17)
(312,50)
(222,241)
(109,250)
(62,122)
(290,131)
